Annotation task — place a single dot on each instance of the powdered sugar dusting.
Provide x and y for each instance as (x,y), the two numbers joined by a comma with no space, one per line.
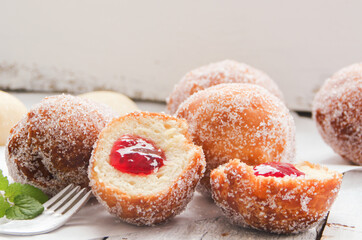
(51,146)
(337,111)
(279,205)
(226,71)
(241,121)
(169,197)
(265,169)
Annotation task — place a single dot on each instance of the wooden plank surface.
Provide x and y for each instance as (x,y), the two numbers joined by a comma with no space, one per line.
(345,217)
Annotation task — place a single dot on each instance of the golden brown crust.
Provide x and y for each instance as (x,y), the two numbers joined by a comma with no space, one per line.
(51,146)
(241,121)
(149,209)
(227,71)
(278,205)
(337,111)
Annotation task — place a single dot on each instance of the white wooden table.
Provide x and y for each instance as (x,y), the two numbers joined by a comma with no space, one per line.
(202,219)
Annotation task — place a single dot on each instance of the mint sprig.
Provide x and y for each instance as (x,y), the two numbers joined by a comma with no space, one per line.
(15,189)
(25,207)
(20,201)
(4,183)
(4,205)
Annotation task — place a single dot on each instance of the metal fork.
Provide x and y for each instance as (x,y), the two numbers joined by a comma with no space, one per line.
(343,168)
(57,211)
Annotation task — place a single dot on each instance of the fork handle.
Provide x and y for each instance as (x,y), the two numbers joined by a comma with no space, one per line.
(343,168)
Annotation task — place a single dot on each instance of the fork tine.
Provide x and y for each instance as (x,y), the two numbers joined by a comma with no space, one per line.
(71,202)
(58,196)
(64,199)
(68,201)
(79,204)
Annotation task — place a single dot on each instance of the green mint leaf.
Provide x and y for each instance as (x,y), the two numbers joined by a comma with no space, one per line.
(25,207)
(15,189)
(4,205)
(4,183)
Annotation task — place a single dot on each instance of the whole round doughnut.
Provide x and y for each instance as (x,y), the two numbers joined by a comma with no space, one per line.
(120,103)
(236,120)
(227,71)
(51,146)
(11,111)
(337,109)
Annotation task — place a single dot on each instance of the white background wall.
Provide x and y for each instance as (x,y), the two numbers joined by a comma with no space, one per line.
(142,48)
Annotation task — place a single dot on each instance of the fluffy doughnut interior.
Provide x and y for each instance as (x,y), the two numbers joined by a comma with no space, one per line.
(286,204)
(168,135)
(313,171)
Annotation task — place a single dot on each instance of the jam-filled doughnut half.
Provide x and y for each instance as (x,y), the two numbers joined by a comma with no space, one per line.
(144,168)
(274,197)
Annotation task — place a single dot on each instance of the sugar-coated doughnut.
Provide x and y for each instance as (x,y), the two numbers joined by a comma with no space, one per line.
(236,120)
(120,103)
(50,147)
(144,168)
(337,110)
(288,204)
(227,71)
(11,111)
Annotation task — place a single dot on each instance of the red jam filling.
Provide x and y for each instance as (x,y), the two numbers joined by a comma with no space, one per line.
(276,169)
(136,155)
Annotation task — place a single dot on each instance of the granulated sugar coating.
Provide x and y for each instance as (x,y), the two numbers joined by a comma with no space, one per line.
(156,197)
(242,121)
(226,71)
(51,146)
(279,205)
(337,111)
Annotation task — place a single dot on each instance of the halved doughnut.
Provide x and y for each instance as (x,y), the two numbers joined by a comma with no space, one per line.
(144,168)
(288,204)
